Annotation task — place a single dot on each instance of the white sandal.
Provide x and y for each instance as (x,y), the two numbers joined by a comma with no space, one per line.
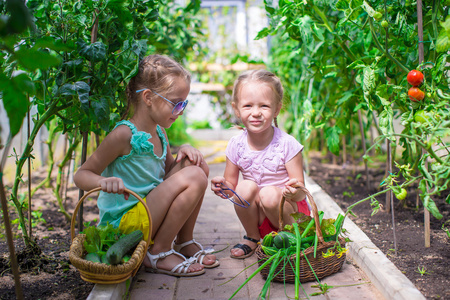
(180,270)
(200,255)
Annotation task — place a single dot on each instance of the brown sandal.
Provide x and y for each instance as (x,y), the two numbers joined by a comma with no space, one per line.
(246,248)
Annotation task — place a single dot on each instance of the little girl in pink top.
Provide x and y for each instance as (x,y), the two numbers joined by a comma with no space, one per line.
(269,160)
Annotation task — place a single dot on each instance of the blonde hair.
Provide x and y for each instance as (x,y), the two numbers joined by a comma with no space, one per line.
(157,73)
(259,76)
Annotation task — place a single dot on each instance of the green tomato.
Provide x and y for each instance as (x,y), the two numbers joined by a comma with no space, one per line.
(401,195)
(384,23)
(420,116)
(378,16)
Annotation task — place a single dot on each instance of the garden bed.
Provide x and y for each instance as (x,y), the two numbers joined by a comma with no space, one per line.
(427,268)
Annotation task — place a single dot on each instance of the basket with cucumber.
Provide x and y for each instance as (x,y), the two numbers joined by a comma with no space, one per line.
(102,254)
(309,249)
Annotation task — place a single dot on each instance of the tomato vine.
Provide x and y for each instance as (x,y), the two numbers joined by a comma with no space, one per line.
(339,60)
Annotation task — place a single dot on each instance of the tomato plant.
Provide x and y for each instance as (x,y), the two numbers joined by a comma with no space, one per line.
(415,94)
(352,74)
(415,78)
(74,65)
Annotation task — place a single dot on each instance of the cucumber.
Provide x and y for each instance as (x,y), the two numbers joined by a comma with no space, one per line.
(94,257)
(291,236)
(122,246)
(281,240)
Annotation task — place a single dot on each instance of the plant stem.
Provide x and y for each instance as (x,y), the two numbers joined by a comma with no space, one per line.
(21,161)
(377,43)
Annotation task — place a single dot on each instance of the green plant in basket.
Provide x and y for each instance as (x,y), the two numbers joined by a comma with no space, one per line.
(100,238)
(280,248)
(106,244)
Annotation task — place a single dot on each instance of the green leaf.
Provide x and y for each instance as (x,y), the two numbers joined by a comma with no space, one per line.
(332,136)
(369,80)
(92,52)
(121,9)
(342,5)
(386,119)
(443,42)
(93,242)
(431,207)
(15,99)
(80,89)
(328,227)
(56,45)
(345,97)
(366,6)
(263,33)
(383,94)
(32,59)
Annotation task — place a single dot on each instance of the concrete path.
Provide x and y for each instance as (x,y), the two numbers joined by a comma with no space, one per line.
(366,274)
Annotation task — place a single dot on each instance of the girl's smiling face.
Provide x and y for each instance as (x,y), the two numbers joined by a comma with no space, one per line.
(256,106)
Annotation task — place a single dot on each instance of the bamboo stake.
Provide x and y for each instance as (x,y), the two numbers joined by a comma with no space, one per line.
(9,236)
(344,151)
(389,161)
(388,171)
(421,59)
(29,177)
(85,134)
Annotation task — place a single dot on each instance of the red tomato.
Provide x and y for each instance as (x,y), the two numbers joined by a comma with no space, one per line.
(415,78)
(415,94)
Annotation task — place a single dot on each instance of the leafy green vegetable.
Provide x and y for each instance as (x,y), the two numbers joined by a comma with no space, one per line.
(100,238)
(304,223)
(328,227)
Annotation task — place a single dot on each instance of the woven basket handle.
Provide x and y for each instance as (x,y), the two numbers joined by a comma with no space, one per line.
(72,223)
(314,211)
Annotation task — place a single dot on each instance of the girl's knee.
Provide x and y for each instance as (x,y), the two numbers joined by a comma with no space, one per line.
(247,189)
(270,197)
(197,175)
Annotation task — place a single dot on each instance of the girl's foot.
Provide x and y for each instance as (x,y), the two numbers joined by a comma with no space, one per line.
(195,250)
(245,249)
(172,263)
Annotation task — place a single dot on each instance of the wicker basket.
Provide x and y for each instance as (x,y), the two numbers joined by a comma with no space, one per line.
(322,266)
(99,272)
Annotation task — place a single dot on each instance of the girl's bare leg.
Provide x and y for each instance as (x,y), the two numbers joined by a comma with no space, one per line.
(249,216)
(187,231)
(171,205)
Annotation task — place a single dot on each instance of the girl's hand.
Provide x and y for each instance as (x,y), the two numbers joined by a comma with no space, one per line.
(113,185)
(290,190)
(193,154)
(216,182)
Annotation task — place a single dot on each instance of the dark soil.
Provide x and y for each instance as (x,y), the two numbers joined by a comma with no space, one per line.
(49,275)
(46,272)
(427,268)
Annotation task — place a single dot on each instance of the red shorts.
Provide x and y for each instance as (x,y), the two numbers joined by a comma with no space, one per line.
(266,227)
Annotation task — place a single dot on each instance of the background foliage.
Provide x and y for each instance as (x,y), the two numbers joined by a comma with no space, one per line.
(345,62)
(72,60)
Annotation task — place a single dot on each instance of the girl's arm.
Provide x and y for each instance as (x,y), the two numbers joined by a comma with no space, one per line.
(294,169)
(115,144)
